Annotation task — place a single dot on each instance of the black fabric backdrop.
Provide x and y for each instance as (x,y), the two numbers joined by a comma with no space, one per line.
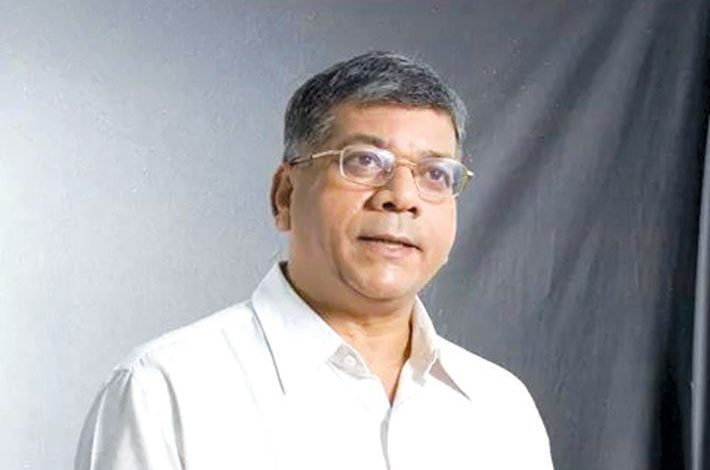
(581,238)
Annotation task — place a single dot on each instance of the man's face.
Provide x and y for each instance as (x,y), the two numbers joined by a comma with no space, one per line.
(345,238)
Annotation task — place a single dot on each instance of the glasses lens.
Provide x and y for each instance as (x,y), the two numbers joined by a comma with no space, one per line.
(440,177)
(365,165)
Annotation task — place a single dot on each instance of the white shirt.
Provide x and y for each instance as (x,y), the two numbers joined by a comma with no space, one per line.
(267,384)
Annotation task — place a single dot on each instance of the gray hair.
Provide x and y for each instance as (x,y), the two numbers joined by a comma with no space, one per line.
(373,77)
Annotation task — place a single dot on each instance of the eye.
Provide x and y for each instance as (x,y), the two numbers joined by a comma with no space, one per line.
(362,163)
(366,159)
(438,176)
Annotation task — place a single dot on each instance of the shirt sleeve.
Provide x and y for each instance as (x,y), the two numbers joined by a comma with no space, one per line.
(132,424)
(528,431)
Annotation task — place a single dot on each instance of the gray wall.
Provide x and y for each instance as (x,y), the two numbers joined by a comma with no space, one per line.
(136,150)
(137,142)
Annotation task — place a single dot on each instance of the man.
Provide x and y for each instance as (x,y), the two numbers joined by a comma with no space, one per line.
(333,363)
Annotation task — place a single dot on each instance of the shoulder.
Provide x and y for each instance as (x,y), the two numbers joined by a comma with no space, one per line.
(203,341)
(481,379)
(139,409)
(502,402)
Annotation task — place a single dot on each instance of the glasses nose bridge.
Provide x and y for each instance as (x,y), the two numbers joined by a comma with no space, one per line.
(412,166)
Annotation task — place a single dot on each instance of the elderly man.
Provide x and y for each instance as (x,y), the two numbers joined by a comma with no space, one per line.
(333,363)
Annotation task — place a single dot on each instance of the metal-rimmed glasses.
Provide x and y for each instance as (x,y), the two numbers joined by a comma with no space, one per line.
(436,178)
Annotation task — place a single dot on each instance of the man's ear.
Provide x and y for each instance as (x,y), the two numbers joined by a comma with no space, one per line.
(281,189)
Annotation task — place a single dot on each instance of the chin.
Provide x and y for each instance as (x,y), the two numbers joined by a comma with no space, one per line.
(385,284)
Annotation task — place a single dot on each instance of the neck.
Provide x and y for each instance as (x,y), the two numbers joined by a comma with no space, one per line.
(380,331)
(384,342)
(381,339)
(380,335)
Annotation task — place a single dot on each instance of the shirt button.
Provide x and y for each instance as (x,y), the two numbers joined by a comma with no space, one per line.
(350,361)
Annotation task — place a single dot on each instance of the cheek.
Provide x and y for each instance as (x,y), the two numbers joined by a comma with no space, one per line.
(341,212)
(307,216)
(327,217)
(444,231)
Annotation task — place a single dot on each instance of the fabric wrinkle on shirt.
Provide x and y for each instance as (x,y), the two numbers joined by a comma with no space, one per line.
(267,384)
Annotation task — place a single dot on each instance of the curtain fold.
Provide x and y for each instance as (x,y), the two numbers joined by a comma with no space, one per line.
(581,262)
(700,413)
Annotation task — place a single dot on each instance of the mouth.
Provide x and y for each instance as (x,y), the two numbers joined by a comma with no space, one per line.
(390,240)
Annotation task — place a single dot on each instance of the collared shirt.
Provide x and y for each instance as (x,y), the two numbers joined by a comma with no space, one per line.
(267,384)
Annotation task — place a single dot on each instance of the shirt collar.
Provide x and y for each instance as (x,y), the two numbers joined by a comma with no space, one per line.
(426,358)
(425,350)
(296,335)
(299,338)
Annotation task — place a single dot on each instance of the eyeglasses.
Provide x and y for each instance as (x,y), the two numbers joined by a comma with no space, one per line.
(436,178)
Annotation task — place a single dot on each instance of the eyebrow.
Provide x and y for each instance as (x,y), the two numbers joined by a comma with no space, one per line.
(362,139)
(382,143)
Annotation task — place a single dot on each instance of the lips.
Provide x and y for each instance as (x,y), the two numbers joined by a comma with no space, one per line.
(394,240)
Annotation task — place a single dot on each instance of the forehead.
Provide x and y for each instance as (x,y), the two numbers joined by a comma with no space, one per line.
(406,129)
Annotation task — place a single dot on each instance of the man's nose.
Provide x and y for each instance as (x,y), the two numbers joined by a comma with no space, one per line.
(400,193)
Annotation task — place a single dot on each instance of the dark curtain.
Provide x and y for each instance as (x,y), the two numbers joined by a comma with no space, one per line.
(700,411)
(582,257)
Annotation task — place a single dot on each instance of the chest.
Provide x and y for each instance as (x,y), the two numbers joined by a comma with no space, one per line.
(329,423)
